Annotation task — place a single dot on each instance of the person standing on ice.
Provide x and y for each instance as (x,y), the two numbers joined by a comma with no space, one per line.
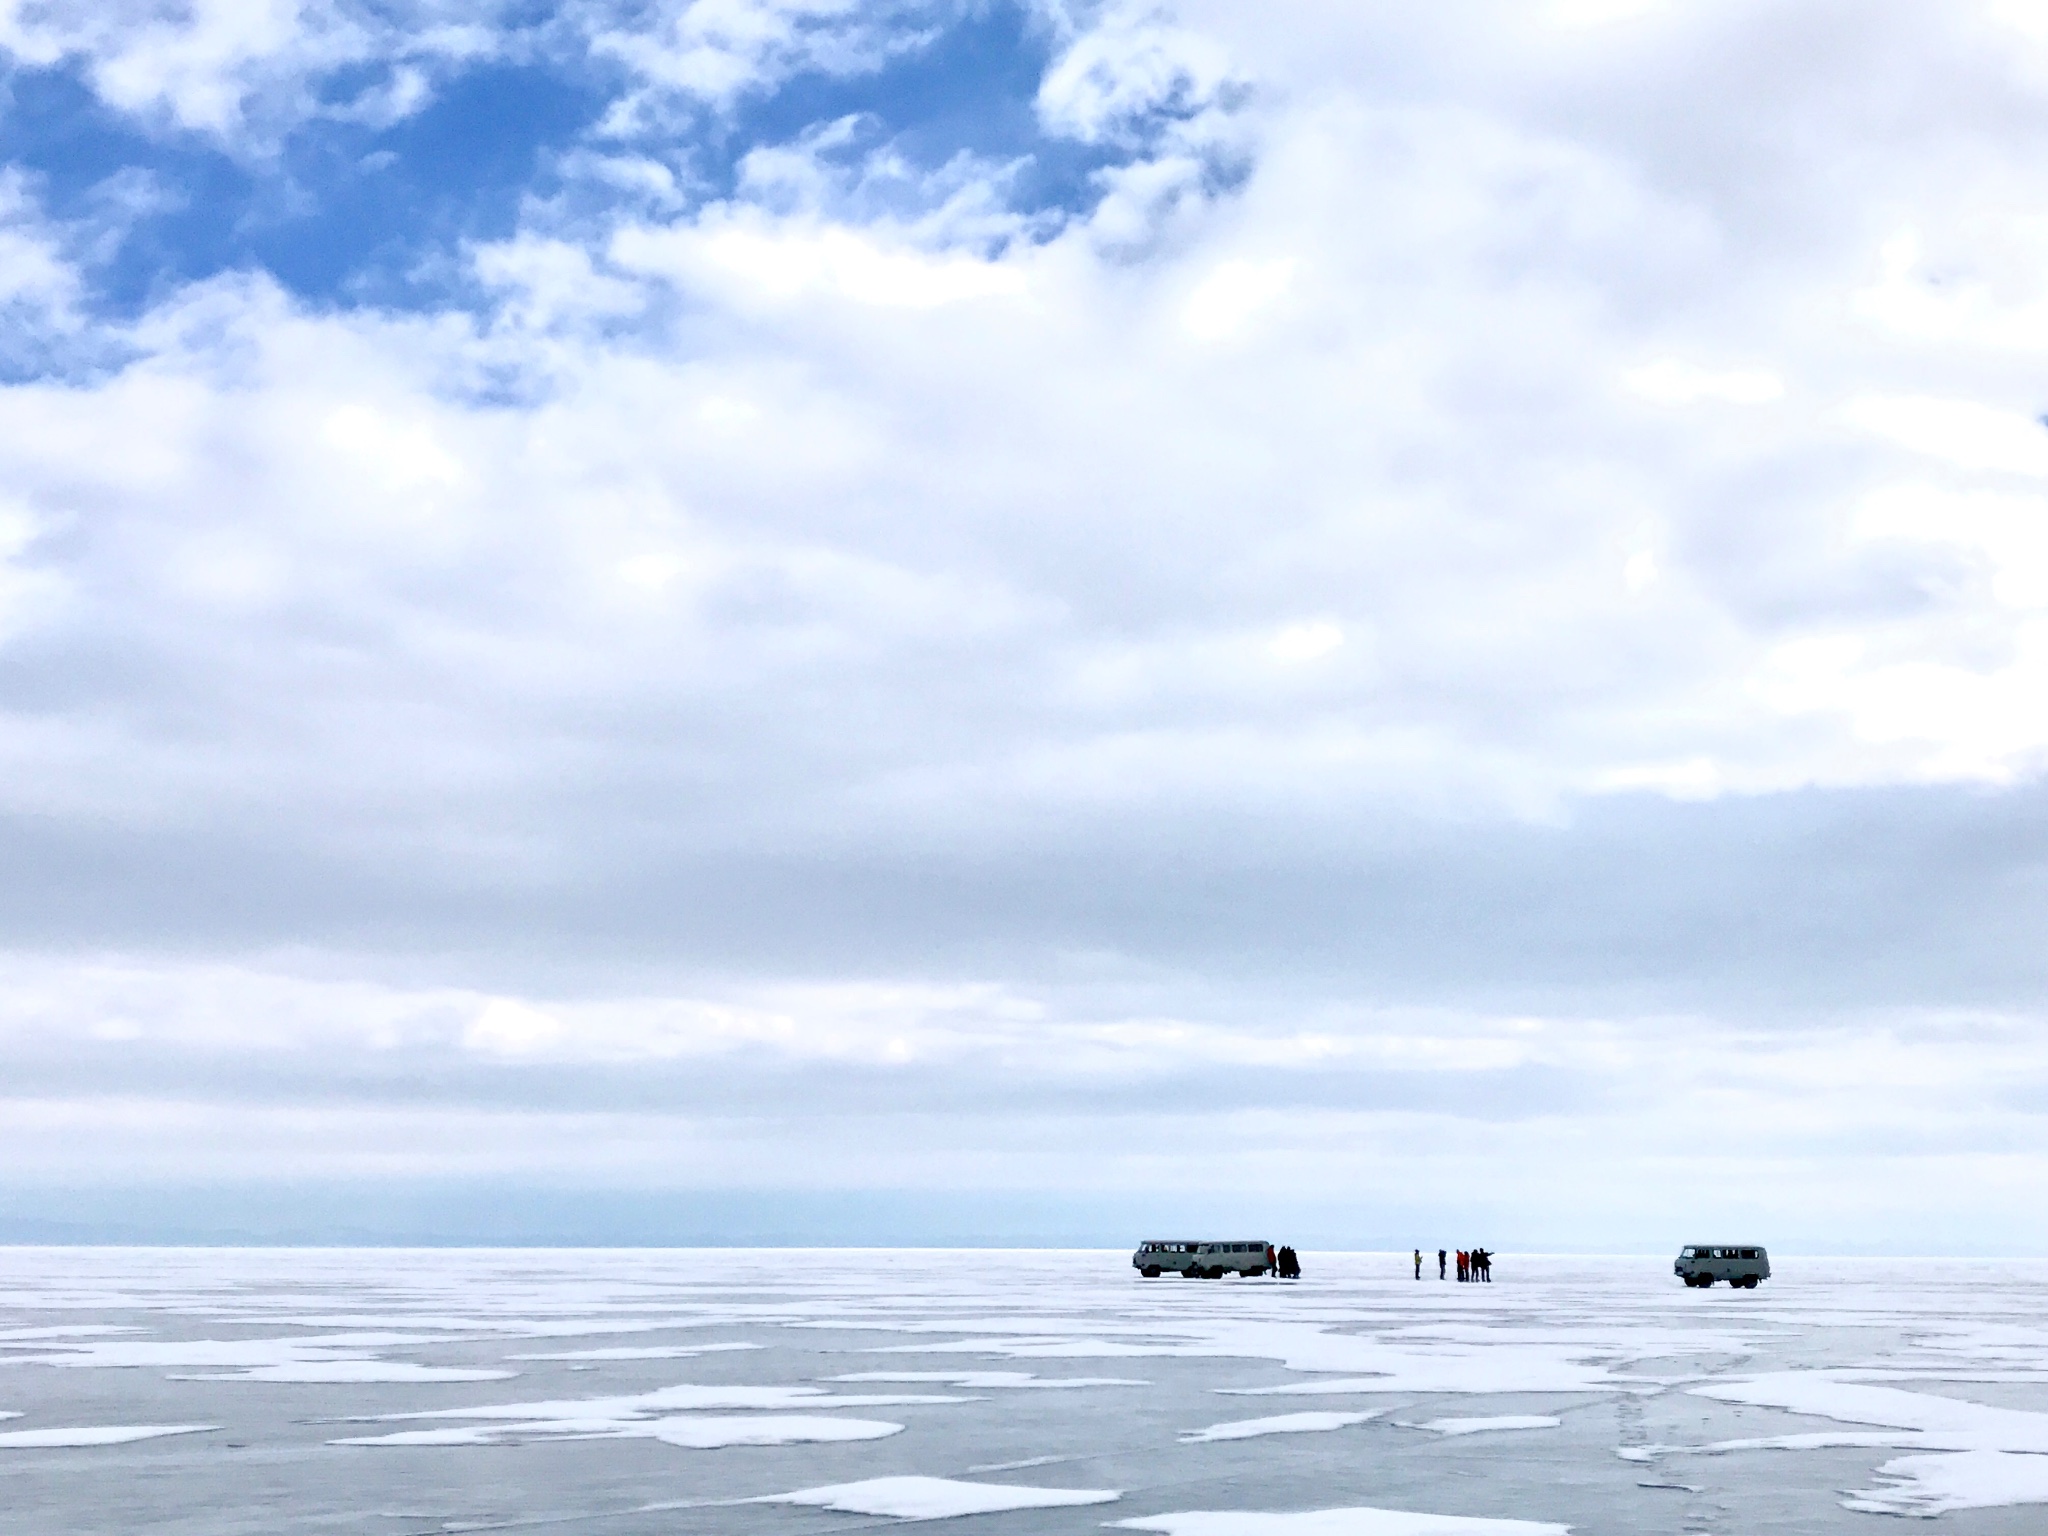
(1418,1263)
(1440,1256)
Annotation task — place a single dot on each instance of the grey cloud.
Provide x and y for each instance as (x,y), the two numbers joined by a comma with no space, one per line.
(1122,1097)
(1770,907)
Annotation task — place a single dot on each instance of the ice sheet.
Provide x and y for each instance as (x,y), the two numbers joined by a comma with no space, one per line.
(936,1498)
(1283,1424)
(1831,1378)
(1361,1521)
(103,1434)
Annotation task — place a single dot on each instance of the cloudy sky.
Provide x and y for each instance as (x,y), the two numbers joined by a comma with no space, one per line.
(1025,619)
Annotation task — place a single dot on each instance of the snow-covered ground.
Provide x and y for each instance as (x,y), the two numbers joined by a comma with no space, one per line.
(801,1393)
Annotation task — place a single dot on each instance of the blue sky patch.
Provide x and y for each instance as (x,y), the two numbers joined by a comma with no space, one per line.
(345,211)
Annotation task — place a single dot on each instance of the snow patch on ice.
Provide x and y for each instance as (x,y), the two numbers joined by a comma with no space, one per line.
(2000,1455)
(1335,1522)
(336,1357)
(522,1327)
(1282,1424)
(674,1415)
(14,1338)
(1483,1426)
(1824,1440)
(936,1498)
(710,1432)
(992,1379)
(1402,1367)
(103,1434)
(696,1432)
(684,1398)
(396,1372)
(1946,1423)
(1935,1485)
(649,1352)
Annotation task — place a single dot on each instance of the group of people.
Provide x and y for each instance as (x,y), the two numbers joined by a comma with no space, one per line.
(1473,1264)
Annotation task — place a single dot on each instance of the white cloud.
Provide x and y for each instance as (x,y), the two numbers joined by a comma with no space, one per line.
(2011,532)
(1600,13)
(754,259)
(711,52)
(1233,294)
(1306,641)
(511,1028)
(1670,382)
(1130,62)
(214,65)
(1966,433)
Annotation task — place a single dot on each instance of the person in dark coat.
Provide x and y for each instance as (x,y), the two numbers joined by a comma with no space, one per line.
(1441,1257)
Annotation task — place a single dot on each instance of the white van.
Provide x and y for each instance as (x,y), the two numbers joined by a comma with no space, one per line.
(1704,1263)
(1202,1261)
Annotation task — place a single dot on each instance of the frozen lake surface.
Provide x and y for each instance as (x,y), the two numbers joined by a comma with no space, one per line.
(803,1393)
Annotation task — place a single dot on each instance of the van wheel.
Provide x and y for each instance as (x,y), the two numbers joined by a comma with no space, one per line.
(1150,1272)
(1706,1282)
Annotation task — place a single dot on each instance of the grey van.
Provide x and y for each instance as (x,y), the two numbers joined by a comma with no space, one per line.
(1195,1260)
(1704,1263)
